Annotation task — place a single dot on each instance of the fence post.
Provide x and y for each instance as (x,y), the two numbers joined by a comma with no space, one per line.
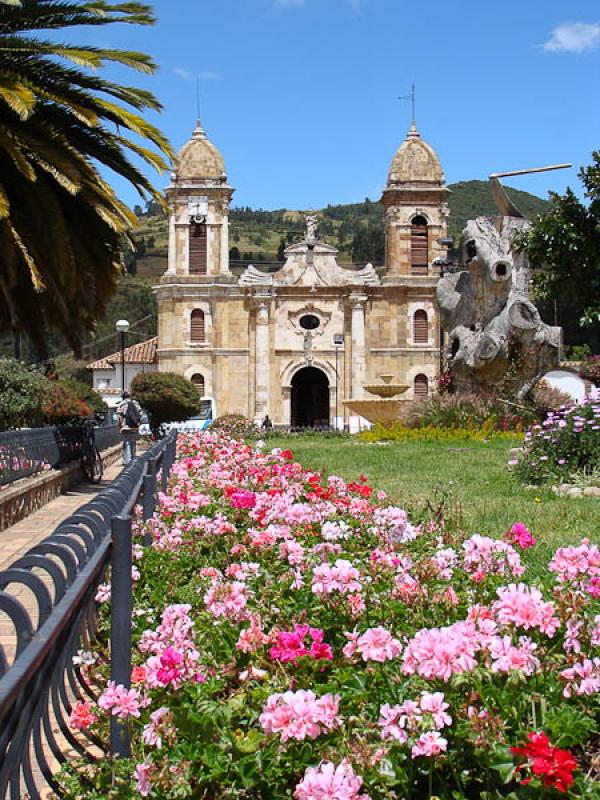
(167,463)
(120,625)
(148,502)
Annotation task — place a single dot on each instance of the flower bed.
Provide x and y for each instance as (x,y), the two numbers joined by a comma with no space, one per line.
(567,442)
(297,637)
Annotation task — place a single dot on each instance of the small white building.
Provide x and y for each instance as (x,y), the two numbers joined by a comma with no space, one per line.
(106,372)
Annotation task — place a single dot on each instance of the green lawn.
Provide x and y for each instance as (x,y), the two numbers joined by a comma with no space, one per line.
(473,475)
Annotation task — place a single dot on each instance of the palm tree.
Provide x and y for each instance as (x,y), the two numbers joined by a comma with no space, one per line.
(61,224)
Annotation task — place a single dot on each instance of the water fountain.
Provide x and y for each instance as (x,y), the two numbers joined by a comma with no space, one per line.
(387,408)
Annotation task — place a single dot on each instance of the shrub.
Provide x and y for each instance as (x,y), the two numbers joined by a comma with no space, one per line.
(468,412)
(590,370)
(62,404)
(567,441)
(21,393)
(579,352)
(86,393)
(236,425)
(167,397)
(400,433)
(546,396)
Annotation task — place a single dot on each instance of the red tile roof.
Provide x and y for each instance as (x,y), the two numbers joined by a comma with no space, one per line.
(140,353)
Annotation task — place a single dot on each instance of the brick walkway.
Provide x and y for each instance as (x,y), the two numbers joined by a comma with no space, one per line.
(16,540)
(19,538)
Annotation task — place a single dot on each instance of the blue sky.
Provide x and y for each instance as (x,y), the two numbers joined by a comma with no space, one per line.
(300,95)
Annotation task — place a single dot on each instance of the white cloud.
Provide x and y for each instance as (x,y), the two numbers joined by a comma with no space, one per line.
(203,75)
(574,37)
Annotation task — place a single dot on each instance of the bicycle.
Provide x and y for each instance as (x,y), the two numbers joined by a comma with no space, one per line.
(91,463)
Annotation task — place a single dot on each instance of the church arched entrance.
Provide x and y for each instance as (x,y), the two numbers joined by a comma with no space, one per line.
(310,399)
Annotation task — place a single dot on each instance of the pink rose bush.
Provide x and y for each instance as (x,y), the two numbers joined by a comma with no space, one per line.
(298,636)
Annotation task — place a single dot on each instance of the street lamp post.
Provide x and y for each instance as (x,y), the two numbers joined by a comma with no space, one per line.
(444,264)
(122,327)
(338,341)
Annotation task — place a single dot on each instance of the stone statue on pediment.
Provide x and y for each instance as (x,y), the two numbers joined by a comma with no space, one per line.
(312,227)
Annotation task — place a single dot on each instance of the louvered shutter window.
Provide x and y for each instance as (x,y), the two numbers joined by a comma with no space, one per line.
(419,246)
(420,332)
(198,248)
(421,387)
(198,381)
(197,331)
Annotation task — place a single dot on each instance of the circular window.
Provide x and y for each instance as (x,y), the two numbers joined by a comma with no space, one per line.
(309,322)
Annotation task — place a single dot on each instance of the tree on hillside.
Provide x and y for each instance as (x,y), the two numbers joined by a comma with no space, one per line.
(60,222)
(167,397)
(368,245)
(563,245)
(281,250)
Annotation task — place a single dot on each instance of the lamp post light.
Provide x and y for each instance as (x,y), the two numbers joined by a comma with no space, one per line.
(122,327)
(338,341)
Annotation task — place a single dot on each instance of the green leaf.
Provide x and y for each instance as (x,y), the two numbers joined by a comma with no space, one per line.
(502,762)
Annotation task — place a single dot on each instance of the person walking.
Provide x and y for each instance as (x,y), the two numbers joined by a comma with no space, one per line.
(130,417)
(266,425)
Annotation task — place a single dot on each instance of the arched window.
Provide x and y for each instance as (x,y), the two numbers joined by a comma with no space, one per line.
(198,381)
(197,330)
(420,387)
(419,246)
(420,331)
(198,248)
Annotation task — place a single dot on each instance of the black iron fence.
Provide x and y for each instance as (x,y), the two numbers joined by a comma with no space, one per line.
(40,677)
(24,453)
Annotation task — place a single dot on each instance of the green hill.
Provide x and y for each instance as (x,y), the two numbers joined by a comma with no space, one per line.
(356,228)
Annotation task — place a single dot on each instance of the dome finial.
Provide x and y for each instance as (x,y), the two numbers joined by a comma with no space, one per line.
(199,132)
(413,133)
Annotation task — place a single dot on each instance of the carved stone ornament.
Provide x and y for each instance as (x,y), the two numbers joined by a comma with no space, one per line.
(252,276)
(312,227)
(497,340)
(309,310)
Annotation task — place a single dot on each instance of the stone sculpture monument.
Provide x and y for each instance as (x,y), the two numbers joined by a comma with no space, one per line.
(312,227)
(496,338)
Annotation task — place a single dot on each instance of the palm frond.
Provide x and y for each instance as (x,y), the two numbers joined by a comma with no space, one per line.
(61,224)
(18,98)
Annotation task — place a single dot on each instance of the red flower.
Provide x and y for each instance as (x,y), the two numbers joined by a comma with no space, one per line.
(553,765)
(287,454)
(138,674)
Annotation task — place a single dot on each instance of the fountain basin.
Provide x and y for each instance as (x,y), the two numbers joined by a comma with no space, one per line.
(384,411)
(386,389)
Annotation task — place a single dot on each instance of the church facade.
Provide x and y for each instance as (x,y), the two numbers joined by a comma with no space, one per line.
(297,343)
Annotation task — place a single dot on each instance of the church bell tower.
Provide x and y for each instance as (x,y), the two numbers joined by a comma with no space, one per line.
(198,200)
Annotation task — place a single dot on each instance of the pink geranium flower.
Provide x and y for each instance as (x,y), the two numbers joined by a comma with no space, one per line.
(82,717)
(376,644)
(291,646)
(430,743)
(300,715)
(519,535)
(328,782)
